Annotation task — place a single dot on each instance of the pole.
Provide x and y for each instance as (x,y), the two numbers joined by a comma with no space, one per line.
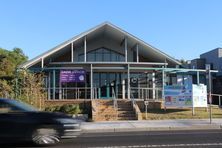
(91,79)
(209,90)
(146,105)
(210,97)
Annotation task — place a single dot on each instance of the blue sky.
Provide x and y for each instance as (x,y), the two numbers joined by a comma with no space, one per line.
(180,28)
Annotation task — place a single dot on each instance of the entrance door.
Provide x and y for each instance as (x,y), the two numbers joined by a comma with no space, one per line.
(108,84)
(105,91)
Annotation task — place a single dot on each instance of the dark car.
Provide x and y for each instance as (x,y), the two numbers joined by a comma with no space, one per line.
(21,122)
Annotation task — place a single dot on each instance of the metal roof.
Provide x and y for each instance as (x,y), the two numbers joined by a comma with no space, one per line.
(113,31)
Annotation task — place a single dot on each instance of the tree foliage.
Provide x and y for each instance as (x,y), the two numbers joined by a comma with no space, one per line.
(29,87)
(20,84)
(9,60)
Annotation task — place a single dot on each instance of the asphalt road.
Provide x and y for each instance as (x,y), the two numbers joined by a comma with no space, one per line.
(197,139)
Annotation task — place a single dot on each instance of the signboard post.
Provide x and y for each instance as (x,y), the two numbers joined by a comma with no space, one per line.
(146,105)
(209,90)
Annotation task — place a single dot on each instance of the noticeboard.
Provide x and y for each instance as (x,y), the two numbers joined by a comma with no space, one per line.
(199,95)
(182,97)
(177,96)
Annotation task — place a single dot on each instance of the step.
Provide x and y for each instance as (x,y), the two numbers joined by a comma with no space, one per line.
(125,109)
(104,107)
(125,112)
(124,103)
(127,118)
(125,106)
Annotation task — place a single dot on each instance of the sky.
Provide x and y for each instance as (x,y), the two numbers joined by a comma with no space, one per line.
(183,29)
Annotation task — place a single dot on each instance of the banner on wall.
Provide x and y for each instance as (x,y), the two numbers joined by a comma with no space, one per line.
(67,76)
(182,96)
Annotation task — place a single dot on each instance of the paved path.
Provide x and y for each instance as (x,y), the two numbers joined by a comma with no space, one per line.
(151,125)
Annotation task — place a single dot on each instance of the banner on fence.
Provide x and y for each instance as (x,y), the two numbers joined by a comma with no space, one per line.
(72,76)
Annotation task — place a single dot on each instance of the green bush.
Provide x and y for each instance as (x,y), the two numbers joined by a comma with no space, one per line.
(67,108)
(53,109)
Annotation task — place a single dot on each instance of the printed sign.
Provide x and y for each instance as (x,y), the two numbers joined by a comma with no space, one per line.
(199,95)
(72,76)
(177,96)
(182,96)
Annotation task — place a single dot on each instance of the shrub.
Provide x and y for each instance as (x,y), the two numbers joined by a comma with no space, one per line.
(67,108)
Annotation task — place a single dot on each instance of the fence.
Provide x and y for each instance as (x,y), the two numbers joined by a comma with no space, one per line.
(85,93)
(215,97)
(147,93)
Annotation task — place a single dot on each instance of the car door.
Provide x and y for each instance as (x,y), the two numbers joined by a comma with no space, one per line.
(13,123)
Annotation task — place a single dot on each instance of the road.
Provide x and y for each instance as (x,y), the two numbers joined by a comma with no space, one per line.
(155,139)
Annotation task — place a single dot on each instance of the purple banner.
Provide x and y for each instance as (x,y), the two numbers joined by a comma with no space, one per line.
(72,76)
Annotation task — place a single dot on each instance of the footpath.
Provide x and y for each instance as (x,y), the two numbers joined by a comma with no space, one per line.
(151,125)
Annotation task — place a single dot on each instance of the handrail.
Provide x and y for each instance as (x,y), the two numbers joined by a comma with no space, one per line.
(115,105)
(218,95)
(132,98)
(144,92)
(136,108)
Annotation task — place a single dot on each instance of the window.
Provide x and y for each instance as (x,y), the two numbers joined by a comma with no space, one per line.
(81,58)
(102,54)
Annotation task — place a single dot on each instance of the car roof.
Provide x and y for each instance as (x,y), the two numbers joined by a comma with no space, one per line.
(3,99)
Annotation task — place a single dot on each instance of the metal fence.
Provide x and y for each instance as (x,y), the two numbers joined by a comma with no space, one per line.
(147,93)
(68,93)
(216,99)
(85,93)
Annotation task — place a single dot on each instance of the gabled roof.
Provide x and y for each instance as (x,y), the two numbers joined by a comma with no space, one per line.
(152,49)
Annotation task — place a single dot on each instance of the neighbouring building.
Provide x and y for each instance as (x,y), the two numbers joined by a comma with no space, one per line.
(214,59)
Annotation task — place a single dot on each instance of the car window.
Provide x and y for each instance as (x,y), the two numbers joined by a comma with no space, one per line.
(21,106)
(11,105)
(7,108)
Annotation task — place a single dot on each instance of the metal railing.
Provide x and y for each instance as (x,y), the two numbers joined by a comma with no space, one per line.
(68,93)
(135,107)
(219,97)
(115,104)
(85,93)
(146,93)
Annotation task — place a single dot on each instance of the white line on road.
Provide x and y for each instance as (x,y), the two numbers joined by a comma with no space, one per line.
(164,145)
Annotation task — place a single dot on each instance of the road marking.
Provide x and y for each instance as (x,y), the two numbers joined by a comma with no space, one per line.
(163,145)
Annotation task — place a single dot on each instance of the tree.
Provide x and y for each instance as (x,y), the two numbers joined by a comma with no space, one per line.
(29,87)
(5,89)
(9,60)
(23,84)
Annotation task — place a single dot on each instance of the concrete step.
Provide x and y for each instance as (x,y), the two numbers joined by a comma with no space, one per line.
(125,112)
(127,118)
(125,109)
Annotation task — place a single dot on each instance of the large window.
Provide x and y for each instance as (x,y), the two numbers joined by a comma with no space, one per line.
(102,54)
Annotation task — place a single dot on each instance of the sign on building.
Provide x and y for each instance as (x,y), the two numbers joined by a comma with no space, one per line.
(72,76)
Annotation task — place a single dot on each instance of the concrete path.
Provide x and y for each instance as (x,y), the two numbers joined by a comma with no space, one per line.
(151,125)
